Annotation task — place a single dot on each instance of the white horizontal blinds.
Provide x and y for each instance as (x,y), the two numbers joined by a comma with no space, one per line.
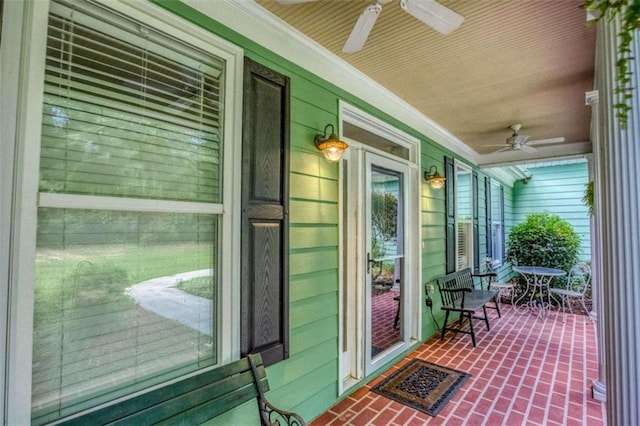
(127,246)
(125,120)
(463,256)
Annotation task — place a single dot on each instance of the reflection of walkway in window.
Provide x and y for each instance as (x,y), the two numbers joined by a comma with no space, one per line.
(160,295)
(383,313)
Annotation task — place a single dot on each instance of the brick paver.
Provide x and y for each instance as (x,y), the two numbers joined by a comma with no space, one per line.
(525,371)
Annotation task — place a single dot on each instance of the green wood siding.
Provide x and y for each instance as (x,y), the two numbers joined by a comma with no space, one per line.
(557,189)
(433,235)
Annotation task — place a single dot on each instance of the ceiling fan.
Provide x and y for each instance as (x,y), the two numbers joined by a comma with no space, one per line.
(518,142)
(432,13)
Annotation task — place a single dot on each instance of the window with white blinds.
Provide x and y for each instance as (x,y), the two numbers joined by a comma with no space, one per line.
(127,276)
(496,222)
(464,205)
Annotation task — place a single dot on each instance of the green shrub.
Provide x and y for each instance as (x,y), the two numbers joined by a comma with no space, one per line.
(543,240)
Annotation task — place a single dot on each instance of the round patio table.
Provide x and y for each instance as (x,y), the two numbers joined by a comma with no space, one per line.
(538,279)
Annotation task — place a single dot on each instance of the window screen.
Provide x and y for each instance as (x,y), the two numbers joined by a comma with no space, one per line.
(126,292)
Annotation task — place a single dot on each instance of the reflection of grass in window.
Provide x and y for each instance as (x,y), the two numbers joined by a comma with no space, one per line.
(89,334)
(200,286)
(99,274)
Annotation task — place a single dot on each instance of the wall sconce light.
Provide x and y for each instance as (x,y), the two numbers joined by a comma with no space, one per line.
(433,178)
(331,146)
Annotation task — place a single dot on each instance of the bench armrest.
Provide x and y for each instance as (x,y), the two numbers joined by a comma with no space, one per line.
(274,416)
(270,415)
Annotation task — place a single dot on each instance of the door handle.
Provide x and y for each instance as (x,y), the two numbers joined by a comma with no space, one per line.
(369,262)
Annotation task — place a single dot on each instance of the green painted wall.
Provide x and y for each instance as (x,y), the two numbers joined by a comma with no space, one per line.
(433,238)
(557,189)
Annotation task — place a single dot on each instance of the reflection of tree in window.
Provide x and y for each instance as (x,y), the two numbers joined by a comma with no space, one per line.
(384,221)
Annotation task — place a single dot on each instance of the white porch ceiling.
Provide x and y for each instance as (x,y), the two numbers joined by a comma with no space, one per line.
(522,61)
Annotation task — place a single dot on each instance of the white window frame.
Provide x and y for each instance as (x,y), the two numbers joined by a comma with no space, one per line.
(21,122)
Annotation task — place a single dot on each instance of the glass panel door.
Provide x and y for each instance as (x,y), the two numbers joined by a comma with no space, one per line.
(385,199)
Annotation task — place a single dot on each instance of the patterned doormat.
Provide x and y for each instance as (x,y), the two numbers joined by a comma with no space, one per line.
(422,385)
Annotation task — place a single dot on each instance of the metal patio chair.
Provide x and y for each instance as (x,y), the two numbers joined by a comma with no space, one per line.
(578,282)
(491,265)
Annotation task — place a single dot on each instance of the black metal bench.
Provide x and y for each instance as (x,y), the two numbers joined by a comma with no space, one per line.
(196,399)
(460,294)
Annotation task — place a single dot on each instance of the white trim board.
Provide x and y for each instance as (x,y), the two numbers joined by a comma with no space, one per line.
(357,117)
(254,22)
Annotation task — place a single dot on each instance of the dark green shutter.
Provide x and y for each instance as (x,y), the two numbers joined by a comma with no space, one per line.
(265,196)
(487,203)
(450,201)
(476,227)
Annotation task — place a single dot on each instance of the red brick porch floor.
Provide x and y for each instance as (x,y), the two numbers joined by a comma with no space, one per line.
(525,371)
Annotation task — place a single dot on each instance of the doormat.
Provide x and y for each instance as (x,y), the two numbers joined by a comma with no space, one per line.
(422,385)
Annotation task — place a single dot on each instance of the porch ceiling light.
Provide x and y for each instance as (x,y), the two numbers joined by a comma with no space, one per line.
(433,178)
(331,146)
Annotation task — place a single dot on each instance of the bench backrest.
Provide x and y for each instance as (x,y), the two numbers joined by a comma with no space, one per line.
(192,400)
(458,280)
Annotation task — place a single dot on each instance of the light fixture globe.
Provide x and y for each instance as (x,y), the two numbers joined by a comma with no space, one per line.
(331,146)
(434,179)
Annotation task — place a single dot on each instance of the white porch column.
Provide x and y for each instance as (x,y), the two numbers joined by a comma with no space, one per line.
(620,214)
(599,388)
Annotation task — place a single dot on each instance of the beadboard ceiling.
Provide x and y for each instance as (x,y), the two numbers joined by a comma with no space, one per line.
(523,61)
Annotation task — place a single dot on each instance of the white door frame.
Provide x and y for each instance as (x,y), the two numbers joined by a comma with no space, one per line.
(355,360)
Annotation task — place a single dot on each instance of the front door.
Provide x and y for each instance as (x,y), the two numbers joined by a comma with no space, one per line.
(379,318)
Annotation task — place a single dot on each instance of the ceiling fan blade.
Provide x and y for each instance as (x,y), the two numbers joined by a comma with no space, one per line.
(546,141)
(293,1)
(506,148)
(361,30)
(440,18)
(528,149)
